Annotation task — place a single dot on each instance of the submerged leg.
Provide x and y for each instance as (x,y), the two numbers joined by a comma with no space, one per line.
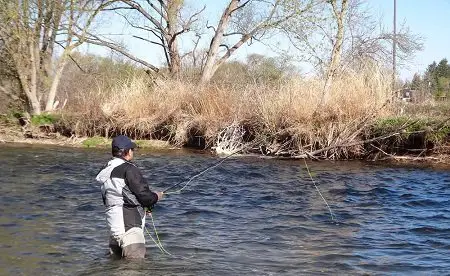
(114,248)
(133,244)
(134,251)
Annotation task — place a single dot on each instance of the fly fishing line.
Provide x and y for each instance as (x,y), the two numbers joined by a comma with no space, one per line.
(218,163)
(317,188)
(157,241)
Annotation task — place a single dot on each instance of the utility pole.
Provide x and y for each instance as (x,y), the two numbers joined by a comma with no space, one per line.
(394,45)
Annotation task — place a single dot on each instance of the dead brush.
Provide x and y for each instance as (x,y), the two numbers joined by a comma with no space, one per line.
(230,140)
(180,111)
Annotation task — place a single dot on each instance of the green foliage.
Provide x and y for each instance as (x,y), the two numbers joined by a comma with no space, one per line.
(443,86)
(437,76)
(438,130)
(96,141)
(102,142)
(390,124)
(443,68)
(44,119)
(416,82)
(404,124)
(440,136)
(8,120)
(151,144)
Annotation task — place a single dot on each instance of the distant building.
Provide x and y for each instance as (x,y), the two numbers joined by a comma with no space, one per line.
(406,94)
(412,95)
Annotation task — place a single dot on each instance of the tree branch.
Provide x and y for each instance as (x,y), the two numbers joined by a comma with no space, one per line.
(98,41)
(118,8)
(193,18)
(163,5)
(239,7)
(136,26)
(142,11)
(159,11)
(70,56)
(234,33)
(210,27)
(150,41)
(225,46)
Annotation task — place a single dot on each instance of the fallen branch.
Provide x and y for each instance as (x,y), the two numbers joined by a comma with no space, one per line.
(314,153)
(411,158)
(387,154)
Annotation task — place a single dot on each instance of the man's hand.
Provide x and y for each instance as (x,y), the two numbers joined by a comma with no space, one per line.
(160,195)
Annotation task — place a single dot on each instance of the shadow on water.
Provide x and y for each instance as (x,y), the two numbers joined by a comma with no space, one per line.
(247,217)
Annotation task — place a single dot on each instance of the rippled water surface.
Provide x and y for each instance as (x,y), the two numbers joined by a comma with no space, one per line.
(249,216)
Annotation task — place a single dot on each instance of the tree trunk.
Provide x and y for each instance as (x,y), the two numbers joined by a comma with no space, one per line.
(35,105)
(336,53)
(32,88)
(55,83)
(210,65)
(175,59)
(51,25)
(174,62)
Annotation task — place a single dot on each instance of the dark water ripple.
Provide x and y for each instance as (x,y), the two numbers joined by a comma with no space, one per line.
(247,217)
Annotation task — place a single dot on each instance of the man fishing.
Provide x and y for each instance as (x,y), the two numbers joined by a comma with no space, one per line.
(125,195)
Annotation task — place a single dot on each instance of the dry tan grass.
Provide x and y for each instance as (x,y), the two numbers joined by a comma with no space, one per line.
(291,107)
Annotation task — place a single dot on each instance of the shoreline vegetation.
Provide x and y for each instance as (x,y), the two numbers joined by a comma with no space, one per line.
(361,120)
(204,95)
(12,135)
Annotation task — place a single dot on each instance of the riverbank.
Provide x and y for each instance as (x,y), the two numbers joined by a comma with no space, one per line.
(398,141)
(79,142)
(285,119)
(12,133)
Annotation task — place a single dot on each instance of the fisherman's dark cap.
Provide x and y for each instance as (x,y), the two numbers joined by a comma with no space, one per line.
(123,142)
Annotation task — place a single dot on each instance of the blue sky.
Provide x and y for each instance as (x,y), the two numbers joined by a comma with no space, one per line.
(430,19)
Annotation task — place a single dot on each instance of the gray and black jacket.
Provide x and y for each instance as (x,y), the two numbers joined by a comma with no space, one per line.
(125,194)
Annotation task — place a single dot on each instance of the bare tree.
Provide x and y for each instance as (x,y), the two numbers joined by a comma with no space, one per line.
(162,22)
(344,34)
(30,29)
(251,20)
(339,14)
(339,10)
(196,57)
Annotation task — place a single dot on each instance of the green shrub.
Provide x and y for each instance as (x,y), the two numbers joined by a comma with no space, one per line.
(43,119)
(152,144)
(437,130)
(96,141)
(440,136)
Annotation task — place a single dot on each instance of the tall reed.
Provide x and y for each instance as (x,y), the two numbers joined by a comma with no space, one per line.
(286,112)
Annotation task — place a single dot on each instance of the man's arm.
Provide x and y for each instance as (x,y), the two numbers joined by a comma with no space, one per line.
(139,187)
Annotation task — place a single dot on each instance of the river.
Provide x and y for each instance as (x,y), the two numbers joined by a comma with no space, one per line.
(249,216)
